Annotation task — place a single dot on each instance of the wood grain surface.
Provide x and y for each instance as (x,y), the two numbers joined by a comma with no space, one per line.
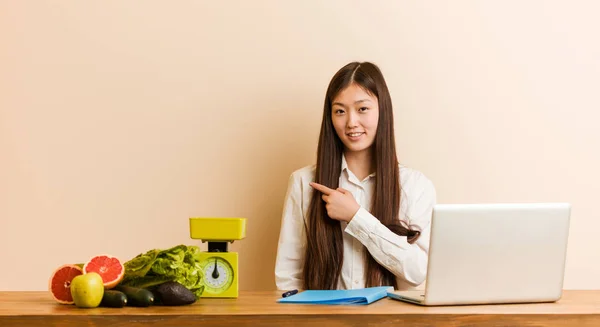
(576,308)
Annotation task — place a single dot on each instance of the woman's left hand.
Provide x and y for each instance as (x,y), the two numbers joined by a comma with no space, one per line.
(340,203)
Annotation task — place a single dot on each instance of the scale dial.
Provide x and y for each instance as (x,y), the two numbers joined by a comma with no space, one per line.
(218,275)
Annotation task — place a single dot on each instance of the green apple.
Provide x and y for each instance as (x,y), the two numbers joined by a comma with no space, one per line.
(87,290)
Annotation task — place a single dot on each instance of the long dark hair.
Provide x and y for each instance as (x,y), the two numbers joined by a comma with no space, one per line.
(324,249)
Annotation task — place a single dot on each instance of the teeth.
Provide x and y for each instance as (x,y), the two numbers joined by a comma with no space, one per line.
(355,134)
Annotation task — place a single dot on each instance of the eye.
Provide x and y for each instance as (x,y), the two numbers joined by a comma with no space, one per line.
(338,111)
(363,109)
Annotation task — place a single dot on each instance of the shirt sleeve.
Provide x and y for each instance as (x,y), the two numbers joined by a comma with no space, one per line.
(292,239)
(406,261)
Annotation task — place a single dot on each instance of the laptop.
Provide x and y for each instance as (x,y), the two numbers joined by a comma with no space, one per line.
(494,253)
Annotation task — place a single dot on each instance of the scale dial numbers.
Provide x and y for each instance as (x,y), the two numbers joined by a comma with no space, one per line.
(218,275)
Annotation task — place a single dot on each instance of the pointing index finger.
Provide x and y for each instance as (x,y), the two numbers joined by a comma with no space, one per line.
(322,188)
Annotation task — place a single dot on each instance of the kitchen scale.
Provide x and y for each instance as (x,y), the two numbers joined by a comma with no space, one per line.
(220,267)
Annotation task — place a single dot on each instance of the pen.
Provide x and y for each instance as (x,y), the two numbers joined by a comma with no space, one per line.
(288,293)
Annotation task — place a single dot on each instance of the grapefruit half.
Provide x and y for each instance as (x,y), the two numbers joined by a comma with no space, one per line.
(108,267)
(60,283)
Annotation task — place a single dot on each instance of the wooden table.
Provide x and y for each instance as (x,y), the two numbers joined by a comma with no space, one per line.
(576,308)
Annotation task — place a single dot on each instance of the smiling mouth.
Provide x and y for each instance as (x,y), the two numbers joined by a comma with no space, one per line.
(355,134)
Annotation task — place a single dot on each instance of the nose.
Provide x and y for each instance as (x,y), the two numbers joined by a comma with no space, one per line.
(352,121)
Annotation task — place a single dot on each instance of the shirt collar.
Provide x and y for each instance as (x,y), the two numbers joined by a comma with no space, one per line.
(344,163)
(350,173)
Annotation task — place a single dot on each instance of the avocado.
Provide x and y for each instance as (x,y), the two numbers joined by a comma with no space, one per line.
(173,293)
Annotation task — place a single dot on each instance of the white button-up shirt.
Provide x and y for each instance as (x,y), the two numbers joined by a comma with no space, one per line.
(408,262)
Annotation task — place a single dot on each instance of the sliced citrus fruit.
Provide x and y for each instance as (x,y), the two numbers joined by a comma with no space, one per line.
(59,284)
(108,267)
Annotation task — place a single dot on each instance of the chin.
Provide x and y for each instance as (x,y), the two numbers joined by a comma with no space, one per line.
(356,148)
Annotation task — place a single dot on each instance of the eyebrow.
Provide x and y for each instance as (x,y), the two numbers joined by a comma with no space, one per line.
(355,102)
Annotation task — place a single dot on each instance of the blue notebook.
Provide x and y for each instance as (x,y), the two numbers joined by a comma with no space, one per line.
(358,296)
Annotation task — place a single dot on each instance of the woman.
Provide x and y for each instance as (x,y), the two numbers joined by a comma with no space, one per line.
(357,218)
